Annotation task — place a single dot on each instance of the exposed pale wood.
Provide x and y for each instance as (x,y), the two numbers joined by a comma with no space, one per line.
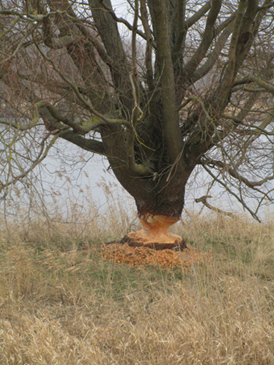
(155,233)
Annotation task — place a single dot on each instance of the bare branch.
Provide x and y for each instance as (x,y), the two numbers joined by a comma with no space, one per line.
(253,214)
(122,20)
(90,145)
(83,128)
(229,76)
(40,157)
(213,57)
(149,66)
(203,200)
(198,56)
(180,29)
(172,131)
(257,80)
(235,174)
(198,14)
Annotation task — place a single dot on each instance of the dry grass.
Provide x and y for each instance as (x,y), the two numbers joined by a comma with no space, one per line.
(62,303)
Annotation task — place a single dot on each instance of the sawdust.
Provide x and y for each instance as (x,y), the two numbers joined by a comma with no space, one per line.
(125,254)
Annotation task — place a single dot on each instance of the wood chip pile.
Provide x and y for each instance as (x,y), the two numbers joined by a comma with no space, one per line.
(125,254)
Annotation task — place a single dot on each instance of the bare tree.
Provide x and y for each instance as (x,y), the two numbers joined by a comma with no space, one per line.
(194,88)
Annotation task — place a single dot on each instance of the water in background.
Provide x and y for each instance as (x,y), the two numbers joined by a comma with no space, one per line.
(71,180)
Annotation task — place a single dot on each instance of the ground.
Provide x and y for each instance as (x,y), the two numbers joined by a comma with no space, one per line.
(68,298)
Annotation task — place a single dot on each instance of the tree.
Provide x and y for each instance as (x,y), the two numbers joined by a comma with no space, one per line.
(194,88)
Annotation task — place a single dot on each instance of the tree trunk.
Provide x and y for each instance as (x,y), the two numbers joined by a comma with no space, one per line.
(161,210)
(159,198)
(155,233)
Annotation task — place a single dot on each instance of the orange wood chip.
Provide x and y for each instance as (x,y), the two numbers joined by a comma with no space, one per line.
(124,254)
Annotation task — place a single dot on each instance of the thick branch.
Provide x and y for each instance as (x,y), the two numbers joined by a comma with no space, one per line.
(90,145)
(54,118)
(109,34)
(229,76)
(248,32)
(180,29)
(198,56)
(213,57)
(260,82)
(171,124)
(198,15)
(149,66)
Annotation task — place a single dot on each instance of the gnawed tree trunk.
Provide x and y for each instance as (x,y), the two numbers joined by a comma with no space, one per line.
(155,233)
(159,196)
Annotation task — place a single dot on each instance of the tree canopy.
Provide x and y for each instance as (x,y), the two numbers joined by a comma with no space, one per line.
(170,86)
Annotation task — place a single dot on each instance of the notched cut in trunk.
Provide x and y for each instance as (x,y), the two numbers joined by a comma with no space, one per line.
(155,233)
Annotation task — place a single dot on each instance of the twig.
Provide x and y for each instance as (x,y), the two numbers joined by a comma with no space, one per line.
(209,206)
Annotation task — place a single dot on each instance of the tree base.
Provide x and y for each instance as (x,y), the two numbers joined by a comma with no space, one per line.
(155,234)
(133,242)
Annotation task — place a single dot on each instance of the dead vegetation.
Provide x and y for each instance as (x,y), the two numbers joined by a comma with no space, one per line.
(63,301)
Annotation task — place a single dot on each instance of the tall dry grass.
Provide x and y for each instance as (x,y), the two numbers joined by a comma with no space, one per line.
(61,303)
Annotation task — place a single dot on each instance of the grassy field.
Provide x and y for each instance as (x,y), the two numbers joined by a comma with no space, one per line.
(62,303)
